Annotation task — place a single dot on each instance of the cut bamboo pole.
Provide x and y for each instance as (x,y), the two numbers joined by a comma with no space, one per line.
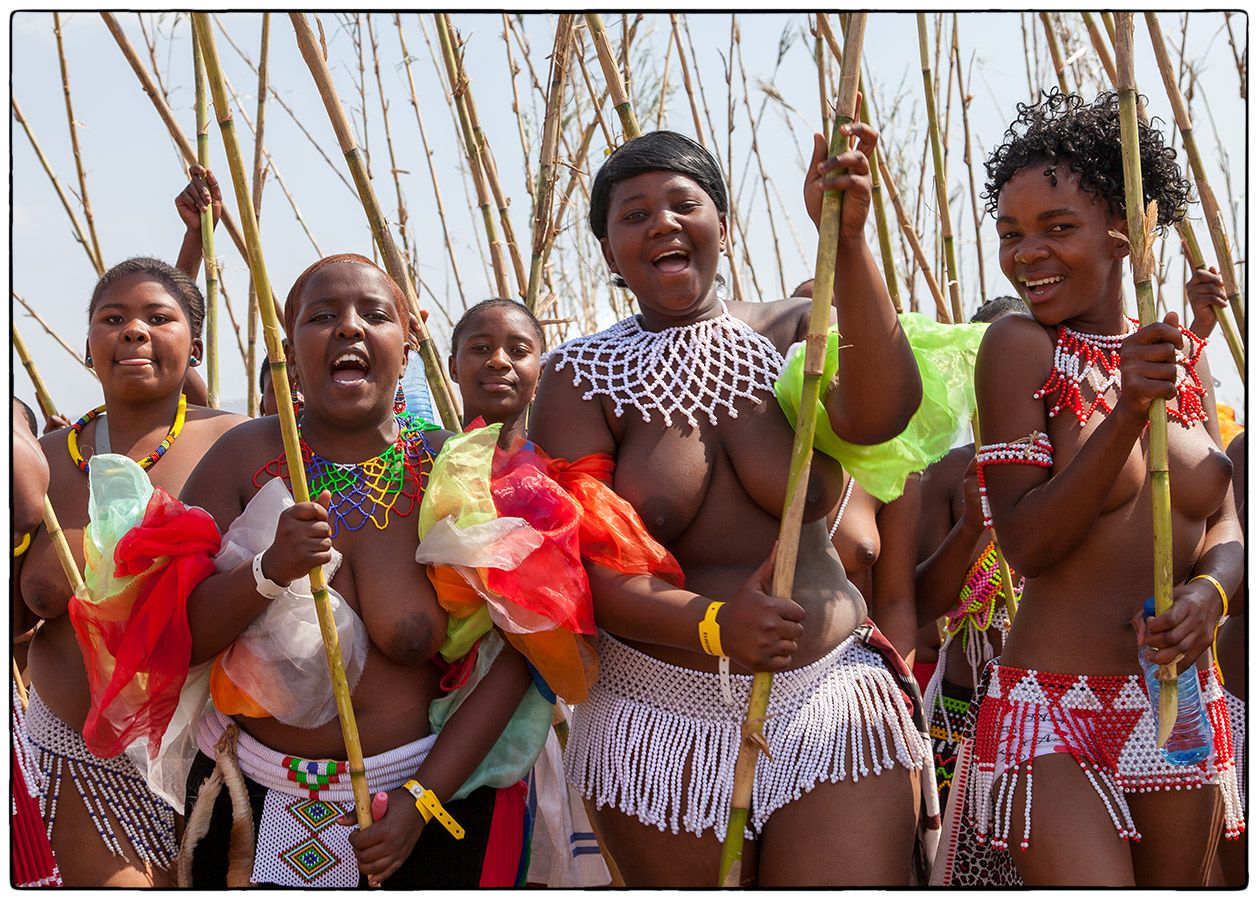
(975,209)
(1054,51)
(471,148)
(438,380)
(620,97)
(1108,19)
(74,142)
(51,333)
(801,458)
(288,420)
(207,235)
(875,173)
(1209,204)
(544,193)
(254,400)
(1140,224)
(1197,260)
(61,547)
(432,171)
(168,117)
(910,234)
(41,389)
(941,176)
(79,236)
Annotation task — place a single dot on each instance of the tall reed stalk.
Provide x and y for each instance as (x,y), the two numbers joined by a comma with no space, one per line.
(74,141)
(1209,203)
(287,416)
(801,458)
(1140,224)
(207,234)
(42,395)
(685,79)
(915,243)
(471,147)
(432,170)
(48,329)
(253,400)
(544,193)
(615,82)
(394,264)
(941,175)
(975,208)
(1054,50)
(79,236)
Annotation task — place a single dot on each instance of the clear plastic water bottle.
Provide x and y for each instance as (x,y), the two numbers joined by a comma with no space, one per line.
(1191,738)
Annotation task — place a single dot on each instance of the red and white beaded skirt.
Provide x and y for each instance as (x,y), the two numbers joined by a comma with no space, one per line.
(1105,722)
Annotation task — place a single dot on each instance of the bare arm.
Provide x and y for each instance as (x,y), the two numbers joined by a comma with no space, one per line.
(940,576)
(201,191)
(1013,361)
(893,602)
(878,388)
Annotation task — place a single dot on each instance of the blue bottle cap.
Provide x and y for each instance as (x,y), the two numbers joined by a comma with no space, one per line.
(1150,608)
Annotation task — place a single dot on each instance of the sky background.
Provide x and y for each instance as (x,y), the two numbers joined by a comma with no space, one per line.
(134,173)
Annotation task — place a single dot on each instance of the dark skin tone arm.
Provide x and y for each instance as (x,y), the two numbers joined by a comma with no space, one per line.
(1013,361)
(464,741)
(941,575)
(879,388)
(893,603)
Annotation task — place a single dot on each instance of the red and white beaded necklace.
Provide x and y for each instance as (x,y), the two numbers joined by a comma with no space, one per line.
(1094,358)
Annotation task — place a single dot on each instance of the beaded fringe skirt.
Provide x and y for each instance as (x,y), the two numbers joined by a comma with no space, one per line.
(646,722)
(1105,723)
(109,788)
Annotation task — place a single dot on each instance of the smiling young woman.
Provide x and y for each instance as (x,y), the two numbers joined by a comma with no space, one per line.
(144,335)
(681,397)
(1068,391)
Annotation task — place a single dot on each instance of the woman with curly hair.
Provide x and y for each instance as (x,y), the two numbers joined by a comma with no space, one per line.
(1066,396)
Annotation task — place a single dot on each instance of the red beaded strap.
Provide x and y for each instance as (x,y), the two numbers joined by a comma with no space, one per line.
(1033,450)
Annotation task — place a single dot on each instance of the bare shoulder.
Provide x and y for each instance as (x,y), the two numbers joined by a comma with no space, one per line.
(563,422)
(1019,339)
(945,475)
(213,422)
(784,322)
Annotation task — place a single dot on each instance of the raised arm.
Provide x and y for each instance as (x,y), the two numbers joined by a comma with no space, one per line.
(201,191)
(878,388)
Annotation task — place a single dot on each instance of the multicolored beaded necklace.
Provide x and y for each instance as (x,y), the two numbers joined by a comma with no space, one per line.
(367,491)
(72,437)
(1080,357)
(977,601)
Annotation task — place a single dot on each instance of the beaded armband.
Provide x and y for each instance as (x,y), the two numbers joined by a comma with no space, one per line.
(1033,450)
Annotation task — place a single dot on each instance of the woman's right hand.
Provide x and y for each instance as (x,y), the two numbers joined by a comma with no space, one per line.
(971,498)
(303,540)
(760,631)
(202,191)
(1148,366)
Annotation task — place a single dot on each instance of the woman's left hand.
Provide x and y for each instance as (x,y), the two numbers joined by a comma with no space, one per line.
(1185,631)
(847,172)
(385,844)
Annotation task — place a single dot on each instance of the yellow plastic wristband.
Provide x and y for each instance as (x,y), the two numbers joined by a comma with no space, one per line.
(1214,647)
(430,807)
(710,630)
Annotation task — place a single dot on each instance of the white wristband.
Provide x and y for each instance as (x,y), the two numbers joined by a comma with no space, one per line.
(266,587)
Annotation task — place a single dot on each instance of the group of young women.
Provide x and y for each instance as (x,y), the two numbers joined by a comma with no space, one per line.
(644,467)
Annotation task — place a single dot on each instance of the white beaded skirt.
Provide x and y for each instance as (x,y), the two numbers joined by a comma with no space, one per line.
(647,723)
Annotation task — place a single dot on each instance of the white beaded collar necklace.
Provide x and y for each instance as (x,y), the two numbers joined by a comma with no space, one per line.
(680,371)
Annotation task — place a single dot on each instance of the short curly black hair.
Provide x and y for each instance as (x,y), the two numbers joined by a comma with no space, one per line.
(1063,128)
